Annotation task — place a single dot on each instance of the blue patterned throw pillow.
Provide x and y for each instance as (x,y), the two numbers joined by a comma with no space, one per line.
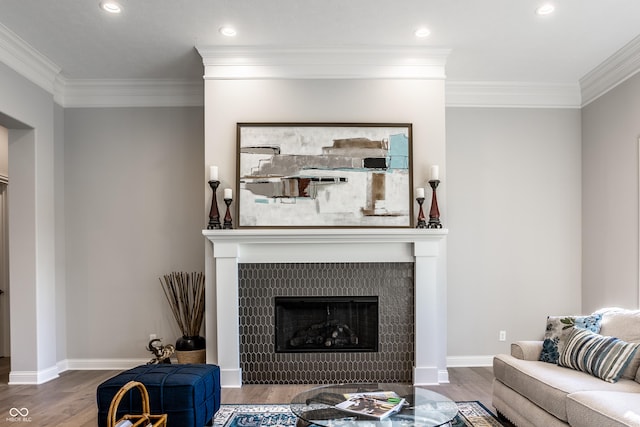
(601,356)
(558,327)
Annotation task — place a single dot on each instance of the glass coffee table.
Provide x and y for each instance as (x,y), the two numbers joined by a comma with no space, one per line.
(424,408)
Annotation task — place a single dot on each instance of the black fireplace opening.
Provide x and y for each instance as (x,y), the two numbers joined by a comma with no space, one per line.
(326,324)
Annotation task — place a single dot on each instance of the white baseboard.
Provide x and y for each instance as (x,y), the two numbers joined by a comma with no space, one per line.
(469,361)
(443,376)
(99,364)
(39,377)
(231,378)
(426,375)
(33,377)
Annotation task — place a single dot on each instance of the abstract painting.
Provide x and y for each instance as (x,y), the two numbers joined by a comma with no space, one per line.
(324,175)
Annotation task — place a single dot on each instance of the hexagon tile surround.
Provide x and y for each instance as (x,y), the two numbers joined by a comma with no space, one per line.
(260,283)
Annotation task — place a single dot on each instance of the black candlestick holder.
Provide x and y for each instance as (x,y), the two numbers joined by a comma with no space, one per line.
(214,215)
(227,217)
(434,212)
(421,220)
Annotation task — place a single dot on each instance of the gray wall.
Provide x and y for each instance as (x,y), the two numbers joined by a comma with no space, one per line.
(28,112)
(611,128)
(514,218)
(133,208)
(128,186)
(420,102)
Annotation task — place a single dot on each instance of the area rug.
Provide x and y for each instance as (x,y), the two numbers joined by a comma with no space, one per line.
(472,414)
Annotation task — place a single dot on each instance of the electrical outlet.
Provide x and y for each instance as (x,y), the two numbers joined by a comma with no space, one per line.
(152,337)
(502,336)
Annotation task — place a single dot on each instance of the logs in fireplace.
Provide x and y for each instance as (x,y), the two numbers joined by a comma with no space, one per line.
(326,324)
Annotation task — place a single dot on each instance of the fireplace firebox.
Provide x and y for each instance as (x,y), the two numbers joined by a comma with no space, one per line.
(326,324)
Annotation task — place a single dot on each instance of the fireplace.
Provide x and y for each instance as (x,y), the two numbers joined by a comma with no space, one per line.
(326,324)
(239,318)
(379,294)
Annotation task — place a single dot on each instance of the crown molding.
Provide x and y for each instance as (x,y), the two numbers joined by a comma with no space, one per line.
(37,68)
(355,62)
(511,95)
(94,93)
(616,69)
(359,62)
(26,61)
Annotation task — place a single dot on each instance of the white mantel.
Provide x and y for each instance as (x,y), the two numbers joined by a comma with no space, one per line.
(423,247)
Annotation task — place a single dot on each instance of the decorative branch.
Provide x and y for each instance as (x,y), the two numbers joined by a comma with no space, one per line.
(185,295)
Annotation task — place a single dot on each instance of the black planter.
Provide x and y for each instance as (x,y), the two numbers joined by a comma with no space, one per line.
(191,343)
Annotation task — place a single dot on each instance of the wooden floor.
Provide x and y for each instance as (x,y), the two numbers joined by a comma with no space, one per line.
(70,400)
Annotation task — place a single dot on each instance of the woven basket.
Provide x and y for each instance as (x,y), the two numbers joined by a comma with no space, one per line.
(192,356)
(144,419)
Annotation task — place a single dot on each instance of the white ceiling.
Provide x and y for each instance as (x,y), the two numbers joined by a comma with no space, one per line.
(490,40)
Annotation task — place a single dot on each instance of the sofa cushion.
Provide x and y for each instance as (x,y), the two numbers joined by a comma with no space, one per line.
(601,356)
(557,329)
(597,409)
(547,385)
(519,410)
(624,324)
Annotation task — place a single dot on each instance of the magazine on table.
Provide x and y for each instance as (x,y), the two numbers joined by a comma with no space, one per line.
(378,405)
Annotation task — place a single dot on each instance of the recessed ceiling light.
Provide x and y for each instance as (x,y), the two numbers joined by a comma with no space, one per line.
(545,9)
(110,6)
(228,31)
(422,32)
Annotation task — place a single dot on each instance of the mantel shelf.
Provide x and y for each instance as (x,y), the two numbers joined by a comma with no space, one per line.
(323,235)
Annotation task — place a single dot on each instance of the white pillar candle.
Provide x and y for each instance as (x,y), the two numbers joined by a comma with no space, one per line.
(419,193)
(213,173)
(434,173)
(227,193)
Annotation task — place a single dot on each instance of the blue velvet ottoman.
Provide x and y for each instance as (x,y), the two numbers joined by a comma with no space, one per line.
(188,394)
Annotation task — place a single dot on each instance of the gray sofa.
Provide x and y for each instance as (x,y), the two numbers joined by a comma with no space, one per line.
(533,393)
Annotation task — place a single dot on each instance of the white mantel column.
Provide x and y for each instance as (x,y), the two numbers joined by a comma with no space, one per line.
(430,316)
(226,285)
